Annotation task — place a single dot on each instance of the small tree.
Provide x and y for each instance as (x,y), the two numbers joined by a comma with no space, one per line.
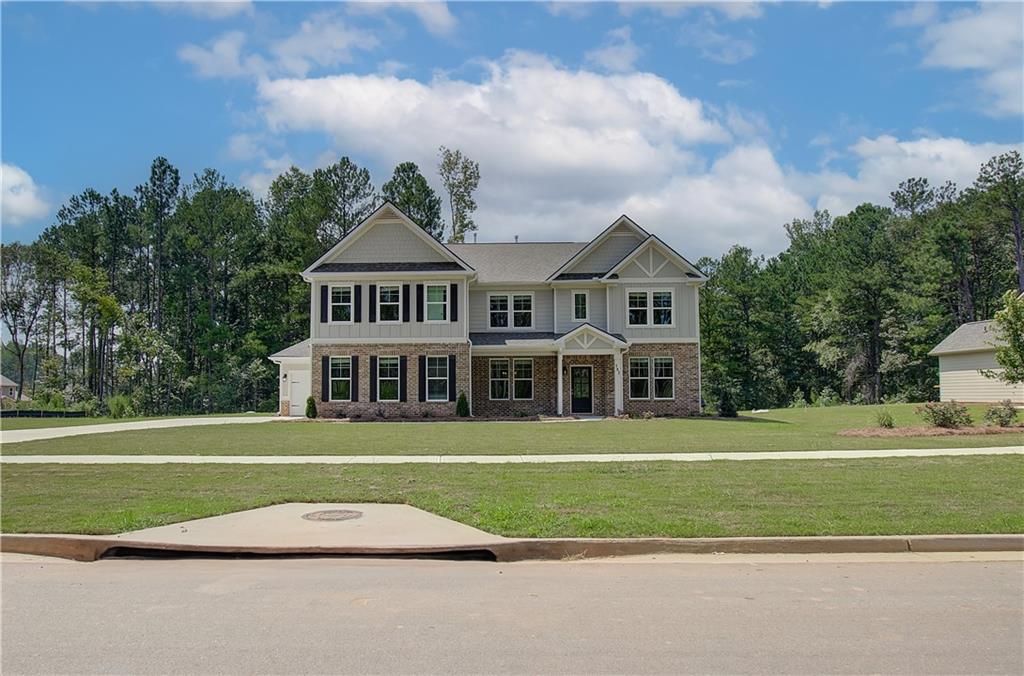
(727,403)
(462,406)
(310,407)
(1009,323)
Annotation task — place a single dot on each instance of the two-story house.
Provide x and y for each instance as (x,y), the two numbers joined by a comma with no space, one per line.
(401,324)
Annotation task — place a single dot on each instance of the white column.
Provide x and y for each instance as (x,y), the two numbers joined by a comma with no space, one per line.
(618,382)
(559,368)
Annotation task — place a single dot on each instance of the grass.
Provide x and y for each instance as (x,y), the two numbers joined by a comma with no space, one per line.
(39,423)
(780,430)
(980,494)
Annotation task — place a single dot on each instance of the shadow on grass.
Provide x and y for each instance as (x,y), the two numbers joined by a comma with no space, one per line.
(744,418)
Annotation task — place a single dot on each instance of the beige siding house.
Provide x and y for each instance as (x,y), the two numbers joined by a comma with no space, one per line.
(964,357)
(401,325)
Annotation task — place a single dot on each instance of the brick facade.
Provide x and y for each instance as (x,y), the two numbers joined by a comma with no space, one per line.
(687,380)
(545,390)
(412,407)
(603,384)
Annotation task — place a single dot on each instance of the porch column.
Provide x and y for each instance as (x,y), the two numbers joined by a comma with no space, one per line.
(559,369)
(618,382)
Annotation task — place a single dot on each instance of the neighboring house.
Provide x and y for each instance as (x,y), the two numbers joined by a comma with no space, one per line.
(963,355)
(402,324)
(8,388)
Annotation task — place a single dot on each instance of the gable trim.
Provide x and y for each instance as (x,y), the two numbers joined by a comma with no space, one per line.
(669,252)
(582,253)
(366,225)
(562,339)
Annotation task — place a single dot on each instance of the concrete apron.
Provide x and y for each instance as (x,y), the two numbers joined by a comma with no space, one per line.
(400,530)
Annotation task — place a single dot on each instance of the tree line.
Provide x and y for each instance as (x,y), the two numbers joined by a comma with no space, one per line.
(849,310)
(172,296)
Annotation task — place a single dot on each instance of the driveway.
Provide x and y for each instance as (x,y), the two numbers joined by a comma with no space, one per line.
(14,436)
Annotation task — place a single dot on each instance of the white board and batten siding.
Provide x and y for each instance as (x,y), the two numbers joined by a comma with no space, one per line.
(961,379)
(543,310)
(373,330)
(597,305)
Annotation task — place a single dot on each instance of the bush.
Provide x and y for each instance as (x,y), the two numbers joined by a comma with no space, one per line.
(950,414)
(884,419)
(727,404)
(120,406)
(648,415)
(310,407)
(798,400)
(462,406)
(1002,414)
(827,397)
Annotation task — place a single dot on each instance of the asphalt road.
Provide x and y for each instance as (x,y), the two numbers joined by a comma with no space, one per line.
(901,613)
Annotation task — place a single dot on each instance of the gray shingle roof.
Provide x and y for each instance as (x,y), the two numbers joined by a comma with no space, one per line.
(297,350)
(7,382)
(495,338)
(442,266)
(516,262)
(971,337)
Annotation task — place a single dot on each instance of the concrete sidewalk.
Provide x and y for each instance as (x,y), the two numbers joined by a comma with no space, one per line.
(14,436)
(497,459)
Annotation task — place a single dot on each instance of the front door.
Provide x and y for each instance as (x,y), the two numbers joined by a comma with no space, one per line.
(298,393)
(581,379)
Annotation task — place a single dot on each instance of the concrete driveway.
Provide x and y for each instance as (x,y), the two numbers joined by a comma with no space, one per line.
(14,436)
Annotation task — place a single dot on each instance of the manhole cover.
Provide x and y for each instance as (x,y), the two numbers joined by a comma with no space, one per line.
(332,515)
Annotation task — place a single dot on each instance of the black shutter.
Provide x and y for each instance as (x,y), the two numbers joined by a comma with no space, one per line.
(373,305)
(323,304)
(405,305)
(325,378)
(423,378)
(403,371)
(455,302)
(355,376)
(357,303)
(451,376)
(373,378)
(419,302)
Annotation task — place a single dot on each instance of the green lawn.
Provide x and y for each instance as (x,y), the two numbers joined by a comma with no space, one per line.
(781,430)
(981,494)
(38,423)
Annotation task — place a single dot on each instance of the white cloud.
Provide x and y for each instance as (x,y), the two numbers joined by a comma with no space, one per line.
(322,40)
(729,10)
(573,9)
(715,45)
(22,200)
(272,167)
(918,14)
(884,161)
(729,83)
(618,54)
(224,9)
(435,16)
(988,39)
(222,58)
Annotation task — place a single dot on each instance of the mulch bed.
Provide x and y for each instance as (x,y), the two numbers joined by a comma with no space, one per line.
(929,431)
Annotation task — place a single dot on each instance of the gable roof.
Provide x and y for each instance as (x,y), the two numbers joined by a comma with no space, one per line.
(367,224)
(516,262)
(670,253)
(586,327)
(300,349)
(970,337)
(7,382)
(594,243)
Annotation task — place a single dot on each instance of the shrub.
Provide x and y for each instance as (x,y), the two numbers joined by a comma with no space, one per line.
(1002,414)
(648,415)
(120,406)
(727,404)
(827,397)
(884,419)
(310,407)
(462,406)
(949,414)
(798,400)
(426,413)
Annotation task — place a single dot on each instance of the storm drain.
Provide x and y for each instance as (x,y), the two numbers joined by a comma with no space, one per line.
(333,515)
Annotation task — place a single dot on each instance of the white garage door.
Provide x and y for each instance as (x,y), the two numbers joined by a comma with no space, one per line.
(298,392)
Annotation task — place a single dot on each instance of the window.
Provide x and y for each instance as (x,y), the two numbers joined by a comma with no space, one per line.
(519,305)
(579,305)
(341,304)
(499,312)
(387,378)
(437,378)
(639,378)
(522,311)
(437,302)
(499,379)
(664,381)
(389,303)
(341,379)
(522,379)
(662,308)
(649,308)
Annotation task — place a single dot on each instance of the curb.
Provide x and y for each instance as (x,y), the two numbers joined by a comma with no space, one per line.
(91,548)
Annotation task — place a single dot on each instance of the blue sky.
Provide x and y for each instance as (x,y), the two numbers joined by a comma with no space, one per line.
(710,124)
